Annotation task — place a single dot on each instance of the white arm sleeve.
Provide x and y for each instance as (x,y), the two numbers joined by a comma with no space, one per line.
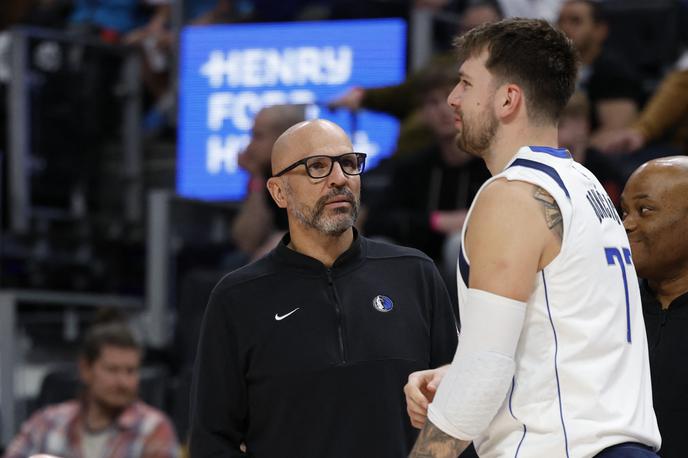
(478,379)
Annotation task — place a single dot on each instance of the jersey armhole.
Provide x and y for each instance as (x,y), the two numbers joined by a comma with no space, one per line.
(563,202)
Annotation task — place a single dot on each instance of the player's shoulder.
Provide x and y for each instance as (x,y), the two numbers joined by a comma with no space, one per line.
(507,206)
(502,192)
(378,250)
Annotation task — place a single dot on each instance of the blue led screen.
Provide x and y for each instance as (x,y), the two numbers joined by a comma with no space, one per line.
(228,73)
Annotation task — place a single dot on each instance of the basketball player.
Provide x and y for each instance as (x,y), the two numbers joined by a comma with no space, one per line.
(552,357)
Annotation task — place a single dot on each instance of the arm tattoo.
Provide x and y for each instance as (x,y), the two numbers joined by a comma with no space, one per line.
(551,211)
(433,443)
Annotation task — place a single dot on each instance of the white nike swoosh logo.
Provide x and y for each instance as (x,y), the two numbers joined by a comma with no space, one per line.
(279,318)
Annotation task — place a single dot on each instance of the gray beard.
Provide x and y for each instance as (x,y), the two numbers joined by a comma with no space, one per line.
(335,225)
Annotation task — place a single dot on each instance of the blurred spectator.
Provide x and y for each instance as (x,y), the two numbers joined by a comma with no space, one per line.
(655,214)
(260,223)
(401,101)
(112,19)
(478,12)
(108,420)
(40,13)
(157,40)
(13,10)
(574,135)
(612,86)
(539,9)
(205,12)
(666,111)
(431,189)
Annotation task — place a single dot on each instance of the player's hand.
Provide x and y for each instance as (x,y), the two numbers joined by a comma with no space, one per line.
(352,99)
(620,141)
(420,391)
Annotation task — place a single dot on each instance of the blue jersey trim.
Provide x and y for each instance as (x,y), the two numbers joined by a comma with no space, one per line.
(556,370)
(464,268)
(556,152)
(543,168)
(513,387)
(525,430)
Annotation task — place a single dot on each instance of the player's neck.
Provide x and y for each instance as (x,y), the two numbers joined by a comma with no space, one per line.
(510,139)
(315,244)
(668,289)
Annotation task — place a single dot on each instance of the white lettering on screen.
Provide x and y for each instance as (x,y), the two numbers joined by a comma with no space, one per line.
(256,67)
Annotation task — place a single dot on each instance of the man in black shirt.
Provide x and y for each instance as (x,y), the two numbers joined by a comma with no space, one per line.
(305,352)
(611,84)
(655,212)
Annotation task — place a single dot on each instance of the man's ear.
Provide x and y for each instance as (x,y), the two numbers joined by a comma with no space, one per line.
(276,188)
(509,100)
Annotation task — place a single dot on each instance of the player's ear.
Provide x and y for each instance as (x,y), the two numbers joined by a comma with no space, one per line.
(276,188)
(508,100)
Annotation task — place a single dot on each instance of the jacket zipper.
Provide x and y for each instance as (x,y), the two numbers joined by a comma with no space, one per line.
(340,318)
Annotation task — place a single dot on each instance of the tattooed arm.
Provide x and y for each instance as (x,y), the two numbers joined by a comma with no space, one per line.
(515,230)
(433,443)
(551,211)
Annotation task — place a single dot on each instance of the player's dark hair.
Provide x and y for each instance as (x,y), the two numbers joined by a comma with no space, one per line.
(530,53)
(109,328)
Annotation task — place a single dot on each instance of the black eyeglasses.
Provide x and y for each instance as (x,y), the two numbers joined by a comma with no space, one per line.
(321,166)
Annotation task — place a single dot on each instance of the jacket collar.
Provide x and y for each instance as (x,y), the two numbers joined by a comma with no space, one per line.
(651,304)
(348,260)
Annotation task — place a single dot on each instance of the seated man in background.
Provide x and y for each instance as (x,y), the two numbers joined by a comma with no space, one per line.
(664,117)
(108,420)
(655,215)
(260,224)
(611,84)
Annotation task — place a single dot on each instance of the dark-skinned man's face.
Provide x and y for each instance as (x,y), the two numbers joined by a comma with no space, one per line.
(655,214)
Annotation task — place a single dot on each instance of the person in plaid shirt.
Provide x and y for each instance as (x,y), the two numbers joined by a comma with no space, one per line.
(107,421)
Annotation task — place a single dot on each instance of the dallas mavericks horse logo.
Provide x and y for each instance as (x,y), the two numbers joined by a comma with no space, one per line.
(383,303)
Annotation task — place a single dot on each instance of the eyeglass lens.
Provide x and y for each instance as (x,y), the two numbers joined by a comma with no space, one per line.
(321,166)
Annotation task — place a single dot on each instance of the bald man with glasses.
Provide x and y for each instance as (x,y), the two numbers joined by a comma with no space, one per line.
(305,352)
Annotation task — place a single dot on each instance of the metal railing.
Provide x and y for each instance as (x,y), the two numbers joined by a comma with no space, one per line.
(19,125)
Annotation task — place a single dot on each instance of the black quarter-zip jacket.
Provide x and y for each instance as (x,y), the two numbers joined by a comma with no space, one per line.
(667,338)
(297,360)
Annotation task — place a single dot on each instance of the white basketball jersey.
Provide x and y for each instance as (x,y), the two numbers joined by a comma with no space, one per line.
(582,380)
